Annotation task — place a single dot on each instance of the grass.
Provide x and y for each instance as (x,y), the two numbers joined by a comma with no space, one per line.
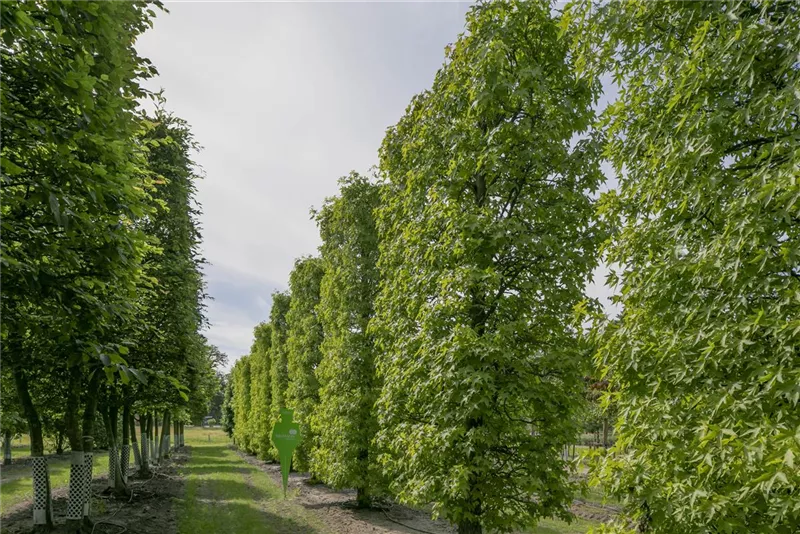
(226,494)
(17,485)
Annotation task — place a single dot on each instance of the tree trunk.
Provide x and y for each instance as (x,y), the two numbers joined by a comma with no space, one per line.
(89,412)
(115,480)
(60,443)
(176,434)
(155,443)
(605,432)
(77,476)
(362,498)
(112,479)
(145,422)
(125,449)
(163,450)
(7,447)
(137,455)
(469,527)
(42,501)
(183,437)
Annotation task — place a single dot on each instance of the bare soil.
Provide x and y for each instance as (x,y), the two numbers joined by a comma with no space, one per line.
(338,512)
(149,510)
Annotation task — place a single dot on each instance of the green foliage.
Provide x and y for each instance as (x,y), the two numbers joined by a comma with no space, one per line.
(304,355)
(169,314)
(240,376)
(279,370)
(74,178)
(487,243)
(706,353)
(259,421)
(344,421)
(228,409)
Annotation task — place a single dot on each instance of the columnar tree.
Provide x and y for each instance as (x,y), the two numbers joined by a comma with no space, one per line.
(164,336)
(228,413)
(487,243)
(261,391)
(706,353)
(304,355)
(72,185)
(241,403)
(279,368)
(344,422)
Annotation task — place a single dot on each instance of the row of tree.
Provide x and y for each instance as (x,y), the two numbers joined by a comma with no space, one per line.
(102,300)
(437,350)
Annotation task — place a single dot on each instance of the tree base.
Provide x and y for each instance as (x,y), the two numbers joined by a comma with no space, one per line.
(469,527)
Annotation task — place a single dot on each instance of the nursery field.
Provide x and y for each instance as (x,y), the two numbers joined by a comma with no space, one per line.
(574,258)
(216,488)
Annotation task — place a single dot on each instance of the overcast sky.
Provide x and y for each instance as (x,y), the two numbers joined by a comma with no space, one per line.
(284,98)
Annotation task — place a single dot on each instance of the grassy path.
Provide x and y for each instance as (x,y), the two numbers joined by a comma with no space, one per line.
(226,494)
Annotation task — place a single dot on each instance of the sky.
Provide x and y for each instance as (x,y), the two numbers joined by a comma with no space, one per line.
(285,98)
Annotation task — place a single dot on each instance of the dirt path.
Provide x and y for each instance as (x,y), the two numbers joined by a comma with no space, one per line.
(338,513)
(336,510)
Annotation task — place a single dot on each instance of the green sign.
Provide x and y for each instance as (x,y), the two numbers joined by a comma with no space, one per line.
(285,437)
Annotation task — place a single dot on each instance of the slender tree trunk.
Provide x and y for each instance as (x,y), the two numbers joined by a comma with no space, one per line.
(115,480)
(77,475)
(42,501)
(144,426)
(89,412)
(155,444)
(137,455)
(362,498)
(60,443)
(112,479)
(125,449)
(183,437)
(469,527)
(7,447)
(163,450)
(175,433)
(605,432)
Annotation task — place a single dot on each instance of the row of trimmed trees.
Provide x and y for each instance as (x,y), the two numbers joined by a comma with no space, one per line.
(102,288)
(436,350)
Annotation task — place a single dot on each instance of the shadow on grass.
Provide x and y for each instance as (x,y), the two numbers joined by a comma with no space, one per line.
(210,469)
(244,519)
(227,491)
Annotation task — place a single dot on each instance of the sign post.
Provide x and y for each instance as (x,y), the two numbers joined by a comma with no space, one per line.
(285,437)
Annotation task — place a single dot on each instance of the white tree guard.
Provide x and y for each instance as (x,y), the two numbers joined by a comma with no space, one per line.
(125,461)
(41,483)
(77,483)
(88,457)
(113,461)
